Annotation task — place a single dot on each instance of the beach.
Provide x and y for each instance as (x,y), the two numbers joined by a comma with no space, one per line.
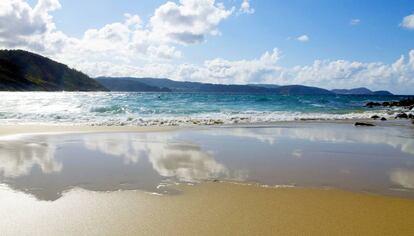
(206,117)
(206,209)
(289,178)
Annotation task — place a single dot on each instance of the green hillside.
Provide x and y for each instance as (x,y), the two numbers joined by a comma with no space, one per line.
(25,71)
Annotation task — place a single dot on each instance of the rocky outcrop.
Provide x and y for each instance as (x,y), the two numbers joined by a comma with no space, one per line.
(363,124)
(372,104)
(375,117)
(406,103)
(401,116)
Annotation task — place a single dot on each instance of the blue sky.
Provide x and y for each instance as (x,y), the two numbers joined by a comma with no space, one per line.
(377,35)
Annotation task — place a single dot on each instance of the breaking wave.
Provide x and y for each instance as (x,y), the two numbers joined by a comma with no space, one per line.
(179,109)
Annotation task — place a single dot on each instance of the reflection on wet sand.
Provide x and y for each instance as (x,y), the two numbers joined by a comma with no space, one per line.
(103,162)
(17,158)
(403,177)
(397,137)
(184,161)
(378,160)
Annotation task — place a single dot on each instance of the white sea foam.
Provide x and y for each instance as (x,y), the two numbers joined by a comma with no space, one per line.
(181,120)
(140,109)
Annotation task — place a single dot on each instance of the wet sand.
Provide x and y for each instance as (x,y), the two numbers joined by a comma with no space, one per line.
(7,130)
(208,209)
(35,171)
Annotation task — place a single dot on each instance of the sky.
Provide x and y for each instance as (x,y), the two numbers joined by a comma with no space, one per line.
(329,44)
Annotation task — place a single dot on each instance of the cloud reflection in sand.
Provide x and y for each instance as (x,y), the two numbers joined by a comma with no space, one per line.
(113,161)
(184,161)
(403,177)
(17,158)
(330,133)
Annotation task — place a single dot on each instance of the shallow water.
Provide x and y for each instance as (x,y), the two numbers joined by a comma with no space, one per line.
(372,159)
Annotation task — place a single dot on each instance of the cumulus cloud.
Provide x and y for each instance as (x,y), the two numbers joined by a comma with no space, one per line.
(183,23)
(354,21)
(303,38)
(188,22)
(246,8)
(397,76)
(408,22)
(24,26)
(217,70)
(135,48)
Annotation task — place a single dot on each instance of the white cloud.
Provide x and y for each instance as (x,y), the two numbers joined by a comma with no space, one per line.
(397,76)
(188,22)
(24,26)
(136,48)
(245,8)
(354,21)
(303,38)
(408,22)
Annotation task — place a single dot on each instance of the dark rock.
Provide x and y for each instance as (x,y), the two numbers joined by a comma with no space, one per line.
(383,119)
(401,116)
(375,117)
(373,104)
(406,102)
(363,124)
(394,104)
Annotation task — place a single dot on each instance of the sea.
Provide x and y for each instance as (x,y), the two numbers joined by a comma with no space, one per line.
(181,109)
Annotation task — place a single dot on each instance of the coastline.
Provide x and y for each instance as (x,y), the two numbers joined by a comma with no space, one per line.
(30,128)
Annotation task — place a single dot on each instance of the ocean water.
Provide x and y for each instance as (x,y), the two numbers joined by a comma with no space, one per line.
(144,109)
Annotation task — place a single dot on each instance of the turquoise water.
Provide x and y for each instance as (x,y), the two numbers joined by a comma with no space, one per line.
(115,108)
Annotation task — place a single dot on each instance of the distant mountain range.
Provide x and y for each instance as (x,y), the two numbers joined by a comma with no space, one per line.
(167,85)
(360,91)
(25,71)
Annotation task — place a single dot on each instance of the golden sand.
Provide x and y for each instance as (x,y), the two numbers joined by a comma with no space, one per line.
(208,209)
(204,209)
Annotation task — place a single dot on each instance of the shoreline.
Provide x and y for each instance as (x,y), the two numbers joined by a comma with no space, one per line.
(29,128)
(32,129)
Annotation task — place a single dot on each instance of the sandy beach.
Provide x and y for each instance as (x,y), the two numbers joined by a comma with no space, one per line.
(206,117)
(196,187)
(208,209)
